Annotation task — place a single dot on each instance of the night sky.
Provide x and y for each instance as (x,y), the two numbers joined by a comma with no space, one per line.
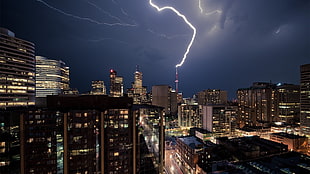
(238,42)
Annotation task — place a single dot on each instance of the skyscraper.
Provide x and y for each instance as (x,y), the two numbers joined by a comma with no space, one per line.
(92,134)
(80,134)
(219,119)
(162,95)
(288,97)
(98,87)
(212,96)
(188,115)
(116,84)
(305,99)
(52,77)
(17,70)
(137,91)
(138,81)
(257,105)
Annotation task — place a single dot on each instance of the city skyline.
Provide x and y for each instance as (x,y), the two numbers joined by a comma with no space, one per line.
(237,42)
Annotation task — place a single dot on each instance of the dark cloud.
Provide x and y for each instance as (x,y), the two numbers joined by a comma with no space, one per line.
(238,41)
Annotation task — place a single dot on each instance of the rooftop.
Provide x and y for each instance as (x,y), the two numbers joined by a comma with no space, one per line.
(290,136)
(191,141)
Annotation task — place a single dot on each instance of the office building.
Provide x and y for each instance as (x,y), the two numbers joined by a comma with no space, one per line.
(137,91)
(17,70)
(92,134)
(98,87)
(212,96)
(219,119)
(305,99)
(79,134)
(257,105)
(116,84)
(188,114)
(288,97)
(162,95)
(52,77)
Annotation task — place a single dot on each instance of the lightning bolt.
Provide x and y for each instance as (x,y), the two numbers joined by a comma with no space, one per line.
(200,7)
(207,13)
(124,12)
(110,15)
(109,38)
(85,18)
(105,12)
(165,36)
(185,20)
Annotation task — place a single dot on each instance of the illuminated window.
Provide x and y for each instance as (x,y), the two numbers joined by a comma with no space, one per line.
(78,125)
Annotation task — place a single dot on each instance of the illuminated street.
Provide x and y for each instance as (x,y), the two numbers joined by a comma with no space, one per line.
(170,163)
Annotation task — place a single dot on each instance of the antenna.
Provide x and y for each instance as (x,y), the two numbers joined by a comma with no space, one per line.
(176,80)
(137,68)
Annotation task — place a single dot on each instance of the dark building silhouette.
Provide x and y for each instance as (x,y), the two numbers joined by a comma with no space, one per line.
(90,134)
(164,96)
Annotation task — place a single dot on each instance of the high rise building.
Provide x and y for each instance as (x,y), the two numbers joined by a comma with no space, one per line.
(188,114)
(98,87)
(212,96)
(138,82)
(305,99)
(137,91)
(92,134)
(52,77)
(79,134)
(219,119)
(162,95)
(288,97)
(17,70)
(116,84)
(257,105)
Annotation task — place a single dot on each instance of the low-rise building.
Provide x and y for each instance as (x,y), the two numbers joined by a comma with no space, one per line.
(188,149)
(294,142)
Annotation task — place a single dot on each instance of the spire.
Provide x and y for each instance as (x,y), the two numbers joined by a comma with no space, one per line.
(176,80)
(137,68)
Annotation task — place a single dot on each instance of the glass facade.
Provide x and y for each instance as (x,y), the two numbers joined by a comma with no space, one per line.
(288,103)
(17,71)
(52,77)
(305,98)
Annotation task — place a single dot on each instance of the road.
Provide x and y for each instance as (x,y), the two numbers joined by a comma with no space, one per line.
(171,165)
